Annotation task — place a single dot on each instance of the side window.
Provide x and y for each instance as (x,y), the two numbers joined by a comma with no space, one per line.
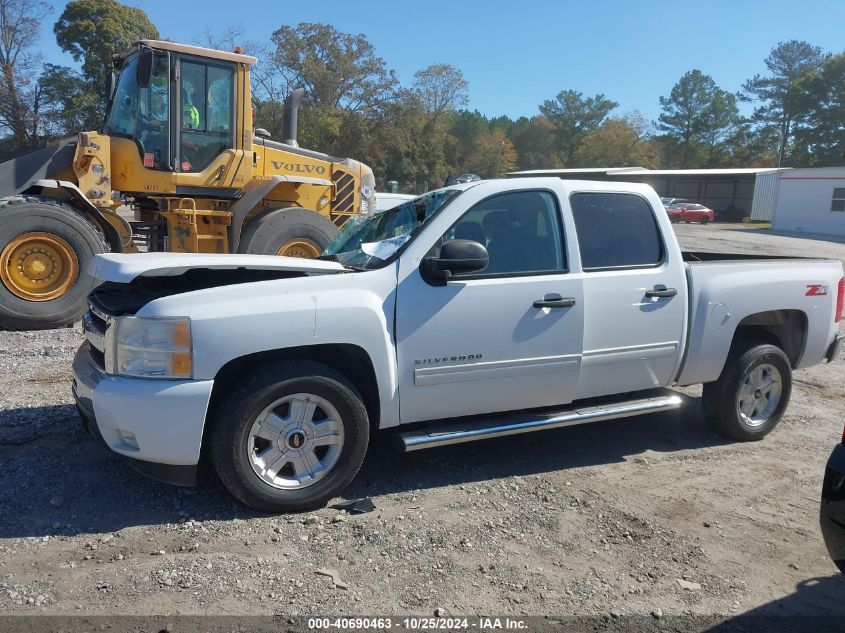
(206,114)
(615,229)
(521,231)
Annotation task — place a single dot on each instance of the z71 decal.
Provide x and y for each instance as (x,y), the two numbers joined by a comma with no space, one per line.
(816,290)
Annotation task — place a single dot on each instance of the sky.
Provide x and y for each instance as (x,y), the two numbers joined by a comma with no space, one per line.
(517,53)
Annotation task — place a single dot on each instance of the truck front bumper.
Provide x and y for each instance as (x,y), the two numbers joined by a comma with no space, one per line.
(156,424)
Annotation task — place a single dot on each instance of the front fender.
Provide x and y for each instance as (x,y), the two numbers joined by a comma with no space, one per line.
(230,322)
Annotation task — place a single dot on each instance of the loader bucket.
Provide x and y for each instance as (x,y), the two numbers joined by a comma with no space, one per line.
(53,161)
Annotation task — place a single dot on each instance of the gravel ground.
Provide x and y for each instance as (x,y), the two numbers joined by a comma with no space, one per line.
(645,515)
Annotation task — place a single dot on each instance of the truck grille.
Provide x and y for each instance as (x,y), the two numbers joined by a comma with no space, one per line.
(95,325)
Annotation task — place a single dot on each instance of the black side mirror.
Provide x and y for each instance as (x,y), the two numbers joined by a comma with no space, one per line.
(145,67)
(457,257)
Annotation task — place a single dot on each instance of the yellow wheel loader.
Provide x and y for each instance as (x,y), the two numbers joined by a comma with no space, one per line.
(178,147)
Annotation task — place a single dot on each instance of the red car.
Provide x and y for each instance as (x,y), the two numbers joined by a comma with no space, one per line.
(689,212)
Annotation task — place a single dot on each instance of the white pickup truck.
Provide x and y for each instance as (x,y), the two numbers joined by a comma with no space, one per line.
(479,310)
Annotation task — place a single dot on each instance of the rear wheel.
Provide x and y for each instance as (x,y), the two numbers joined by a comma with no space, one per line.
(289,437)
(292,232)
(46,249)
(750,397)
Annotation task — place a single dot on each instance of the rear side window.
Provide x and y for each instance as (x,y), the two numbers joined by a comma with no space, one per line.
(615,230)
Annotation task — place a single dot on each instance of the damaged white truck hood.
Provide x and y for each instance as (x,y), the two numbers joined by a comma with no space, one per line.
(123,268)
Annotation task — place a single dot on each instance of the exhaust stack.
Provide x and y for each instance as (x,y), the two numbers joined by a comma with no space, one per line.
(291,112)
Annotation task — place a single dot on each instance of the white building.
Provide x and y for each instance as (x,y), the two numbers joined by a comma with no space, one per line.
(810,200)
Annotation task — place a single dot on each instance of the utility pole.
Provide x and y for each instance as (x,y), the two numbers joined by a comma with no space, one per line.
(499,157)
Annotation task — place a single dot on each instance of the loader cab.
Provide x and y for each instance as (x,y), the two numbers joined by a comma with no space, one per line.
(179,109)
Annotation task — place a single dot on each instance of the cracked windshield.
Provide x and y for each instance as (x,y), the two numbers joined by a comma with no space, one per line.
(366,242)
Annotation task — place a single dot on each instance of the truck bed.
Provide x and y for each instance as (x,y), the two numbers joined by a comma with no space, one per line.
(727,290)
(703,256)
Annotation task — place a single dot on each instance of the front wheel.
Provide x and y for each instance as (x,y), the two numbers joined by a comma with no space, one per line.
(750,397)
(705,220)
(289,437)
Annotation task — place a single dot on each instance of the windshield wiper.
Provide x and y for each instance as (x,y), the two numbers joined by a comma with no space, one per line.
(336,258)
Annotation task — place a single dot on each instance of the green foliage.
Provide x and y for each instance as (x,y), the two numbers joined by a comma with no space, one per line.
(72,104)
(441,88)
(822,100)
(420,133)
(94,30)
(573,117)
(778,95)
(338,70)
(534,141)
(697,117)
(618,143)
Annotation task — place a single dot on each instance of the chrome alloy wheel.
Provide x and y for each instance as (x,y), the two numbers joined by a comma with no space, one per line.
(296,441)
(759,395)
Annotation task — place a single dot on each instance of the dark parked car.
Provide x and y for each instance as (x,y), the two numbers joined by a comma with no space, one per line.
(833,505)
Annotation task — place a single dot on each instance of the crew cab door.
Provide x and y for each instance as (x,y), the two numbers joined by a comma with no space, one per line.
(635,298)
(507,338)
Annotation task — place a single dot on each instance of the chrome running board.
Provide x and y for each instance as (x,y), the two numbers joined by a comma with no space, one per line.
(444,434)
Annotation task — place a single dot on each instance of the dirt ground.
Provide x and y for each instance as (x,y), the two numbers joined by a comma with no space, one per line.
(650,515)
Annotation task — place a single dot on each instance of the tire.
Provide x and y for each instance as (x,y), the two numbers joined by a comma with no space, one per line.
(722,399)
(32,220)
(705,220)
(305,232)
(235,449)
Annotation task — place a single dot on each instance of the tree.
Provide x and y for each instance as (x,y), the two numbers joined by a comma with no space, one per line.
(92,31)
(823,99)
(718,120)
(619,143)
(20,92)
(494,155)
(534,141)
(751,146)
(441,88)
(696,116)
(573,116)
(466,128)
(69,105)
(778,93)
(338,70)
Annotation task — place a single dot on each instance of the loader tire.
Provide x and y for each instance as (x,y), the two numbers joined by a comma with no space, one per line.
(293,232)
(46,251)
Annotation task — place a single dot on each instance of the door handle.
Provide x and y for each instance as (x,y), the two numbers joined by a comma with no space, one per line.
(555,301)
(661,292)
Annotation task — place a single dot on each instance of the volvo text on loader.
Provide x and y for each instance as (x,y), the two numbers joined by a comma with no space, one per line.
(179,148)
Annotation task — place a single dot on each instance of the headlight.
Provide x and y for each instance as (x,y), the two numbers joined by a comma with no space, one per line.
(153,348)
